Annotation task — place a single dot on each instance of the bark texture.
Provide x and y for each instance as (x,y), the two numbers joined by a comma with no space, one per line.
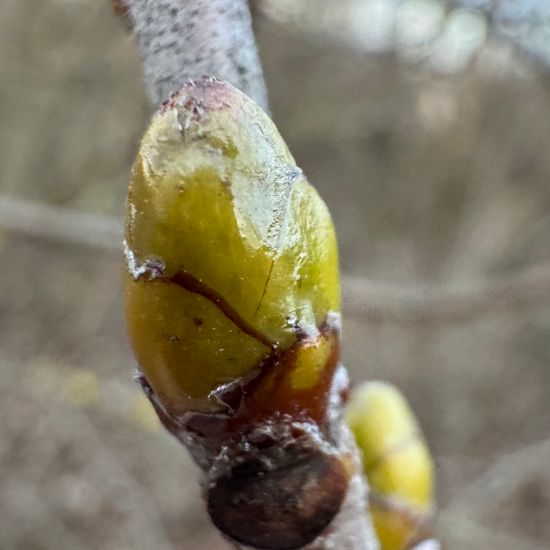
(186,39)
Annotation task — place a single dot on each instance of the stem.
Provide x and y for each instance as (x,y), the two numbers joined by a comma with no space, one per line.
(183,39)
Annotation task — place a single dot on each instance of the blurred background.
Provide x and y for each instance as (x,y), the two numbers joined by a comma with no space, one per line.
(426,127)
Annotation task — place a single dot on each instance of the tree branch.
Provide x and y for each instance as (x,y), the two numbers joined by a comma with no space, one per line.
(371,301)
(183,39)
(451,304)
(186,39)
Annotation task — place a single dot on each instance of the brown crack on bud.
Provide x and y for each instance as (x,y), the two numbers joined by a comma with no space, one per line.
(267,395)
(154,271)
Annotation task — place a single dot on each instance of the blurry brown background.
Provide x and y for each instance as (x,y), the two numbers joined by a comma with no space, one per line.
(437,172)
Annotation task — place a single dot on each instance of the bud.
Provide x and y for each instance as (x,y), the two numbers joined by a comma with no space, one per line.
(232,306)
(396,462)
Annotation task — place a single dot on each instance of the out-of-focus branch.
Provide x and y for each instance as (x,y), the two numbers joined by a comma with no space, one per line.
(186,39)
(461,303)
(372,301)
(512,474)
(61,225)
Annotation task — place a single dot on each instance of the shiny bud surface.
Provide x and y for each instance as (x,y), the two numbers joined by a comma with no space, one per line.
(231,253)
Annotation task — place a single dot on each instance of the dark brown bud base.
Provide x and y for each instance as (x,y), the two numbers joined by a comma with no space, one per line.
(275,478)
(280,509)
(275,485)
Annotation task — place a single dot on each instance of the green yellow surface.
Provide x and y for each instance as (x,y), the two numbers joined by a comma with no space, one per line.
(396,461)
(216,195)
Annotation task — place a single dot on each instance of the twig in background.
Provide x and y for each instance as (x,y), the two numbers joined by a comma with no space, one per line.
(365,299)
(447,304)
(59,224)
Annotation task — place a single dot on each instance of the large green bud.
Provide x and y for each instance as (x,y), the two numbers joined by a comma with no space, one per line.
(231,253)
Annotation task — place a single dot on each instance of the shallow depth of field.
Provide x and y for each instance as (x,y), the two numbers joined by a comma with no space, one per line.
(427,133)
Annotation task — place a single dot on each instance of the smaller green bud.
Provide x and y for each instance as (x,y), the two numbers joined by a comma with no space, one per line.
(396,462)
